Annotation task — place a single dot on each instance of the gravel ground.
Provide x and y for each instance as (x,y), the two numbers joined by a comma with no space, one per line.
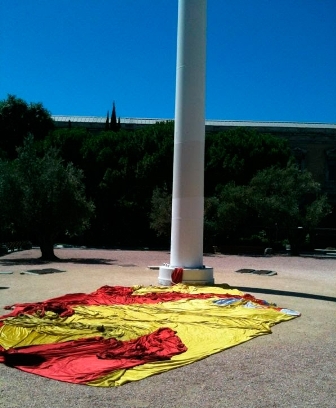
(295,366)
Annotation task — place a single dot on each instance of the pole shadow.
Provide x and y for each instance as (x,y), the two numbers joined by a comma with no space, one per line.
(287,293)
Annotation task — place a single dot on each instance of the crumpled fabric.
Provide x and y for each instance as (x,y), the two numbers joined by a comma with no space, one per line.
(106,295)
(84,360)
(206,320)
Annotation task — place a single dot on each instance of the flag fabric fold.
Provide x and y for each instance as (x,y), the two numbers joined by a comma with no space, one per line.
(84,360)
(120,334)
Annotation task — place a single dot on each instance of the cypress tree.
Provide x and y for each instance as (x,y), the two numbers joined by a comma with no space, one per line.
(113,125)
(107,126)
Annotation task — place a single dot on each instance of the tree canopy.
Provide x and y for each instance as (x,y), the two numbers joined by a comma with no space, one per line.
(276,199)
(43,198)
(238,154)
(250,182)
(18,119)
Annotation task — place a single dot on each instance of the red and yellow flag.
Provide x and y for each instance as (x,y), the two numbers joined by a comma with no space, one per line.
(120,334)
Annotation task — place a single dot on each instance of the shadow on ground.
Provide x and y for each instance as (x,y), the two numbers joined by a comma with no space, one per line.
(89,261)
(286,293)
(38,261)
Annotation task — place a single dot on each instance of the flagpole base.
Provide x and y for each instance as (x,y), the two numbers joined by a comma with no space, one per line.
(191,276)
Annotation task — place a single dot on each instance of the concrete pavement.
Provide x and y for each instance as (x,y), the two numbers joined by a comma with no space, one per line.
(295,366)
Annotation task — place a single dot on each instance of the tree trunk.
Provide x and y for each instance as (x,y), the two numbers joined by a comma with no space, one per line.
(47,249)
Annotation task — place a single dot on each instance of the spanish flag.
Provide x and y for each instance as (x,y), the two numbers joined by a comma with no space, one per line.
(120,334)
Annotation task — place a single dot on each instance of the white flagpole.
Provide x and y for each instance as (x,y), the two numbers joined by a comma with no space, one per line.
(189,141)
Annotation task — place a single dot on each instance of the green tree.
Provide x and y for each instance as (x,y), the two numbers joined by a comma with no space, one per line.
(11,199)
(237,155)
(114,125)
(283,199)
(69,143)
(160,216)
(276,198)
(121,171)
(290,199)
(107,122)
(18,119)
(227,213)
(50,197)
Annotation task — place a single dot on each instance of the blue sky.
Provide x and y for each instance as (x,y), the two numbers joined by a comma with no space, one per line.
(267,60)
